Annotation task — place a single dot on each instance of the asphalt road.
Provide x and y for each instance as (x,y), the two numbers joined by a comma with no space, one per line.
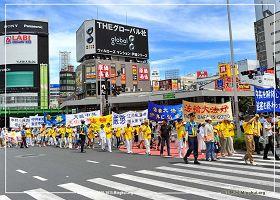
(53,173)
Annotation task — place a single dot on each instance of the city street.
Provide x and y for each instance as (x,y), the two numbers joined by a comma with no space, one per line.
(53,173)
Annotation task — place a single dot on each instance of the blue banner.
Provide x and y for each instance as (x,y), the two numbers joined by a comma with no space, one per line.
(159,112)
(264,100)
(54,120)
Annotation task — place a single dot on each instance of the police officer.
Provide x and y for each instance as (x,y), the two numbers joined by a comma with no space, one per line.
(83,134)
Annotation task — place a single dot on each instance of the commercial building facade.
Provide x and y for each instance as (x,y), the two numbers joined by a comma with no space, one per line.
(114,53)
(67,82)
(24,64)
(172,74)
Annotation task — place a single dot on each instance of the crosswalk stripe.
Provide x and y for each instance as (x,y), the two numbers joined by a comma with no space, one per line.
(133,190)
(256,159)
(119,166)
(3,197)
(40,178)
(255,156)
(92,161)
(42,194)
(235,171)
(87,192)
(180,188)
(220,176)
(211,183)
(21,171)
(242,166)
(258,163)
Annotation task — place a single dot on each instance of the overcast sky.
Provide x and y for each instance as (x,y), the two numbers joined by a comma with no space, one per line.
(187,37)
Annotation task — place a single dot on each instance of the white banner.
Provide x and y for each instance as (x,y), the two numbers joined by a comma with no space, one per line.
(18,122)
(36,121)
(75,119)
(133,118)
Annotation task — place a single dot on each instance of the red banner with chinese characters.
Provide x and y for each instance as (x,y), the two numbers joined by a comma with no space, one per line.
(134,74)
(143,74)
(103,71)
(217,112)
(123,76)
(113,75)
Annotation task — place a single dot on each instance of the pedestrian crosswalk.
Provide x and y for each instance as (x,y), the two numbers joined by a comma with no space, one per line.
(224,179)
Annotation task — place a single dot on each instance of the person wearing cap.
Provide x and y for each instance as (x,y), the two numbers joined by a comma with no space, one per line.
(268,135)
(165,131)
(257,126)
(180,128)
(147,134)
(209,140)
(226,127)
(191,128)
(83,134)
(249,139)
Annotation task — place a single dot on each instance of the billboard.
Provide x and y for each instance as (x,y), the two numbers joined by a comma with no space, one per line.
(201,74)
(20,49)
(101,37)
(24,26)
(44,92)
(143,74)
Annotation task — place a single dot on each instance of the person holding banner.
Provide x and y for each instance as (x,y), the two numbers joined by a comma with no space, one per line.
(108,132)
(191,129)
(249,139)
(128,136)
(180,135)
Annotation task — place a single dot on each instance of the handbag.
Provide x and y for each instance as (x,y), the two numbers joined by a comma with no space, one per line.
(263,140)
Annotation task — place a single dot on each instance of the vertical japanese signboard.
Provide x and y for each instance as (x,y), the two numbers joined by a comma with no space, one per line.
(103,71)
(143,74)
(44,86)
(134,74)
(123,75)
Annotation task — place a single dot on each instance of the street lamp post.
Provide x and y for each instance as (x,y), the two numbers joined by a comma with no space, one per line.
(235,97)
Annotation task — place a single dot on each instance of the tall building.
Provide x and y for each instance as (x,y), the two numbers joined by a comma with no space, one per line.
(264,36)
(67,82)
(172,74)
(24,71)
(155,75)
(265,8)
(64,59)
(117,55)
(54,96)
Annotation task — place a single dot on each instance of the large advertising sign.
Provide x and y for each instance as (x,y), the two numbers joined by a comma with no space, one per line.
(23,26)
(44,94)
(101,37)
(20,49)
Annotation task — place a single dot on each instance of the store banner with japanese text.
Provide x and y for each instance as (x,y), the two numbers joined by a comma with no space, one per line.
(267,99)
(134,118)
(101,120)
(59,119)
(75,119)
(16,122)
(203,110)
(168,112)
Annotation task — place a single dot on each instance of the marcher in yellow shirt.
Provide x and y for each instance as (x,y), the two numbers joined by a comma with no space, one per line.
(108,130)
(180,128)
(62,132)
(28,136)
(147,133)
(118,133)
(69,136)
(43,134)
(226,128)
(257,128)
(128,135)
(249,138)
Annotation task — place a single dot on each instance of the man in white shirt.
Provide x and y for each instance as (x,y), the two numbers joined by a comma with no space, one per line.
(268,135)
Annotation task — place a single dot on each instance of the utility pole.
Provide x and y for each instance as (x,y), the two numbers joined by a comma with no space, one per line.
(233,70)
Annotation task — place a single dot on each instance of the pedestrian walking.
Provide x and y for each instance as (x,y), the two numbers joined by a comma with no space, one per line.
(200,138)
(268,134)
(180,128)
(165,131)
(23,137)
(191,128)
(147,133)
(118,133)
(257,127)
(226,127)
(209,140)
(128,136)
(83,131)
(249,139)
(102,137)
(108,131)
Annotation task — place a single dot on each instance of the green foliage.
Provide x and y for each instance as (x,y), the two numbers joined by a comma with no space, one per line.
(239,143)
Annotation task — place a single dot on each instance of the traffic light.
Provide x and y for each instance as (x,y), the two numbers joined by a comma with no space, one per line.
(249,73)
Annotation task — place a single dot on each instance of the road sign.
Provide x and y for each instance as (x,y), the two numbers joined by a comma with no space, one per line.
(169,95)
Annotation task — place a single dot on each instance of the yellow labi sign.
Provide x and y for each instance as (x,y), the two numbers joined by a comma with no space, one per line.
(225,70)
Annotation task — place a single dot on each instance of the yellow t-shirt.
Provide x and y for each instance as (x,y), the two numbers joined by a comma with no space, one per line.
(108,131)
(118,132)
(52,132)
(128,133)
(248,128)
(180,128)
(70,132)
(62,131)
(43,131)
(231,129)
(147,132)
(226,129)
(257,126)
(28,133)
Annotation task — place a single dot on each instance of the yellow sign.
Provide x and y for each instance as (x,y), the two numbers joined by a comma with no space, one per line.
(217,112)
(101,120)
(225,70)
